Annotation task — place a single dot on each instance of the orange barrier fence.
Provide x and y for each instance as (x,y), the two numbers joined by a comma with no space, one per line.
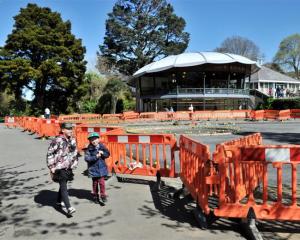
(83,130)
(69,118)
(258,115)
(148,116)
(130,116)
(77,118)
(253,139)
(195,168)
(241,114)
(165,116)
(111,118)
(253,164)
(90,118)
(271,114)
(202,115)
(145,155)
(182,115)
(221,114)
(295,113)
(284,114)
(49,128)
(9,122)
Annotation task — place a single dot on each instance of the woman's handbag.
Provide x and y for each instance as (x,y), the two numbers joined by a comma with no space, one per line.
(62,174)
(54,176)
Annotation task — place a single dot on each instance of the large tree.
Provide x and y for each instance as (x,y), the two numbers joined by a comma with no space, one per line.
(93,87)
(139,32)
(241,46)
(288,54)
(41,54)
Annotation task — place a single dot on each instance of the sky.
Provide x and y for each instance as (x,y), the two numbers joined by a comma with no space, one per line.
(209,22)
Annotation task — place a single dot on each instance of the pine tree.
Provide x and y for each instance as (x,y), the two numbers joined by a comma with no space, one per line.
(139,32)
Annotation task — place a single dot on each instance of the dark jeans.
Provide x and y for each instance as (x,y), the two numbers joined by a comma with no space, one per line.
(63,193)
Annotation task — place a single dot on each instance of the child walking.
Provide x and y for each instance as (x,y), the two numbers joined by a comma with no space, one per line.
(95,156)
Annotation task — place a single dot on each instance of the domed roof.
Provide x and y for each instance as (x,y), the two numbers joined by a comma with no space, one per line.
(194,59)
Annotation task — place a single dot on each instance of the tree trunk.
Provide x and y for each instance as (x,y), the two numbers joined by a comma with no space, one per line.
(113,105)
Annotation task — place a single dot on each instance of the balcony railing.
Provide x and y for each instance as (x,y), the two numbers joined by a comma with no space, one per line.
(200,91)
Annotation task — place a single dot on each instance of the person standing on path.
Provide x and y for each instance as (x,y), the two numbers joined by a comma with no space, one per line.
(62,157)
(47,113)
(95,156)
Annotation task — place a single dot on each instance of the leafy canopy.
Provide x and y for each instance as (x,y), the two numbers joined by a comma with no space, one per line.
(288,54)
(41,54)
(139,32)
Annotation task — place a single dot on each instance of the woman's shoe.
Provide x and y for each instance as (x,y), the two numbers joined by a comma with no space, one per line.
(71,210)
(60,204)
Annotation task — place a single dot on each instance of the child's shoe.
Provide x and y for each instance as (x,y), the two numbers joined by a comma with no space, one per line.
(104,198)
(96,199)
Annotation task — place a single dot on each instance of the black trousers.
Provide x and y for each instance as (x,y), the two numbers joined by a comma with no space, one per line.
(63,195)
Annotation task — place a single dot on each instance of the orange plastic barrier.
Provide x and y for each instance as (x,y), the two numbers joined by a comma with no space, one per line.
(295,113)
(148,116)
(271,114)
(253,139)
(251,165)
(284,114)
(144,155)
(83,130)
(222,114)
(90,118)
(111,118)
(130,116)
(182,115)
(9,122)
(258,115)
(241,114)
(165,116)
(195,167)
(49,128)
(202,115)
(69,118)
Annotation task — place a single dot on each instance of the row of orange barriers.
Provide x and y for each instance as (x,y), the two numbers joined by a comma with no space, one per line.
(232,175)
(275,114)
(170,116)
(185,115)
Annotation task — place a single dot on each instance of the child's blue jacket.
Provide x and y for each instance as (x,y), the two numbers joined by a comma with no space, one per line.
(96,166)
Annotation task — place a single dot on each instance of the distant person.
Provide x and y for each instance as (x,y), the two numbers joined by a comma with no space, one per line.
(282,92)
(270,92)
(95,156)
(61,160)
(171,109)
(47,113)
(288,92)
(277,92)
(191,108)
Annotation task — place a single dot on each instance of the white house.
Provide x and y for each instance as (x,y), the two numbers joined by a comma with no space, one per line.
(267,80)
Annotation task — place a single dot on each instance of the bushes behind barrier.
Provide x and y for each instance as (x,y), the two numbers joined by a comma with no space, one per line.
(282,104)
